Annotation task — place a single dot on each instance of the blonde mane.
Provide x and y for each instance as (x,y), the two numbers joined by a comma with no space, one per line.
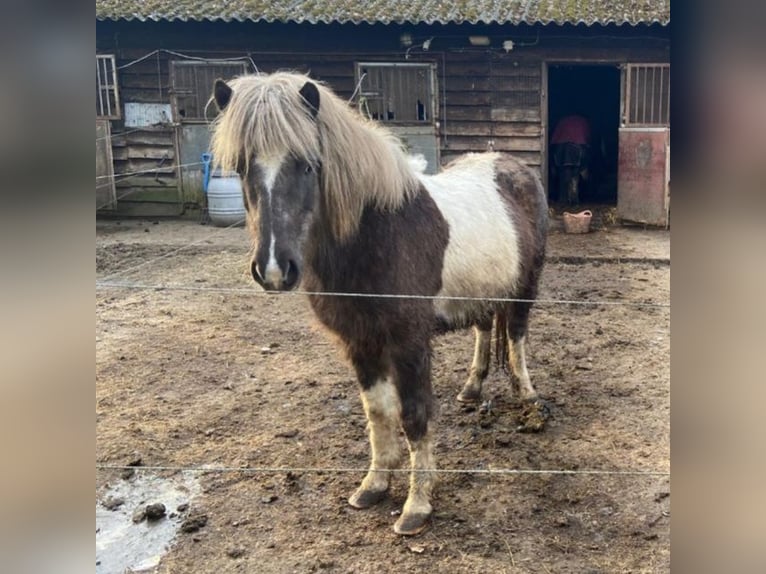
(362,163)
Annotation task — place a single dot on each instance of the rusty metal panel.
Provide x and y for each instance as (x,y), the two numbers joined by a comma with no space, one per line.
(642,180)
(106,197)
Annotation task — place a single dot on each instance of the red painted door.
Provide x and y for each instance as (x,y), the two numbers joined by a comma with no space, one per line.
(643,178)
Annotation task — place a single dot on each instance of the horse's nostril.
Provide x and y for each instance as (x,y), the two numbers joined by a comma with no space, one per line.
(292,274)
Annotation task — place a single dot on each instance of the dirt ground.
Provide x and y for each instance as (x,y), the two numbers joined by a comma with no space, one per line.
(232,380)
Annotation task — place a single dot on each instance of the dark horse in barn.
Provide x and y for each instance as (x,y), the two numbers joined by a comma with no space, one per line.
(335,205)
(571,157)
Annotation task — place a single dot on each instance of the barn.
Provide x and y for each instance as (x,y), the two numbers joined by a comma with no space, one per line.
(448,77)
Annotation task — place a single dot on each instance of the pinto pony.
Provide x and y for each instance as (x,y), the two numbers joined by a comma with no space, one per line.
(334,204)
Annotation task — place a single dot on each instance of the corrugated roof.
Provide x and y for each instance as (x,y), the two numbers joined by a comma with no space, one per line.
(393,11)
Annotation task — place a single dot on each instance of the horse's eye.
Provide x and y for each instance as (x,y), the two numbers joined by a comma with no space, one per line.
(308,169)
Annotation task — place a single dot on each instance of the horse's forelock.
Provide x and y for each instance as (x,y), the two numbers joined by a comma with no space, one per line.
(362,162)
(265,118)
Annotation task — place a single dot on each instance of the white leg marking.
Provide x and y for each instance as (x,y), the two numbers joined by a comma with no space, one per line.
(480,364)
(421,483)
(271,167)
(518,360)
(472,388)
(383,409)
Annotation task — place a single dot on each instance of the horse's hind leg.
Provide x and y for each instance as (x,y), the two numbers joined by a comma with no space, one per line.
(413,381)
(517,335)
(480,367)
(382,407)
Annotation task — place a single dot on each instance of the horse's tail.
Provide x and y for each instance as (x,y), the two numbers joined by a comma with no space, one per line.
(501,336)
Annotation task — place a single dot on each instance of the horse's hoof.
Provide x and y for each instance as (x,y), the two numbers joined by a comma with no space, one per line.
(362,499)
(469,395)
(412,524)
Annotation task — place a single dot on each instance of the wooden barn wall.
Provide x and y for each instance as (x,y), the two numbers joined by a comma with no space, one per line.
(488,99)
(150,150)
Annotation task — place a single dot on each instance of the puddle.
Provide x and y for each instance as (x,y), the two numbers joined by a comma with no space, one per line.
(121,544)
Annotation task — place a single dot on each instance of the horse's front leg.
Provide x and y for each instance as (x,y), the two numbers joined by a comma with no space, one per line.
(383,410)
(413,381)
(480,367)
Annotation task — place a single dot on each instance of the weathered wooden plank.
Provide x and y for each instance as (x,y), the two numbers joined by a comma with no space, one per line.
(143,152)
(497,98)
(501,143)
(502,114)
(522,99)
(159,138)
(153,166)
(152,194)
(468,98)
(497,128)
(468,83)
(476,67)
(474,73)
(497,114)
(468,113)
(508,69)
(146,181)
(147,209)
(496,87)
(450,153)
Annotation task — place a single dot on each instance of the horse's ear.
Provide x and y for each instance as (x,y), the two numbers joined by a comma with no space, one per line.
(310,94)
(222,94)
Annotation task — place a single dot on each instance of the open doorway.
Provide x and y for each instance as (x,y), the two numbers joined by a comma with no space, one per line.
(593,92)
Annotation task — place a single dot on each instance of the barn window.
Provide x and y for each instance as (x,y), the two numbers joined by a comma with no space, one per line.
(396,92)
(647,99)
(192,85)
(107,96)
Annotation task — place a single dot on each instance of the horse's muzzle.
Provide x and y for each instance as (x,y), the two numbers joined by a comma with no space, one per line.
(284,276)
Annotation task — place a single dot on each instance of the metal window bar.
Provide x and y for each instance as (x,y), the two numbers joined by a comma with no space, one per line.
(648,97)
(643,99)
(660,85)
(653,114)
(107,95)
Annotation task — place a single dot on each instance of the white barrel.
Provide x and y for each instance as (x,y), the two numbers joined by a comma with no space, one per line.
(225,203)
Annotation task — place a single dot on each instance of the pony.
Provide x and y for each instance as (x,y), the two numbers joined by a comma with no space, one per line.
(335,204)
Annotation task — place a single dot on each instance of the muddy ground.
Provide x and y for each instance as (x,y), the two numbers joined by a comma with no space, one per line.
(231,380)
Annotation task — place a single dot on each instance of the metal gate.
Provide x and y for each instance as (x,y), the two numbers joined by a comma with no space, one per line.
(643,181)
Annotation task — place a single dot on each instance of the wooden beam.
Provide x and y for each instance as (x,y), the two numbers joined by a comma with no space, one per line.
(155,195)
(143,152)
(501,143)
(517,129)
(147,209)
(146,181)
